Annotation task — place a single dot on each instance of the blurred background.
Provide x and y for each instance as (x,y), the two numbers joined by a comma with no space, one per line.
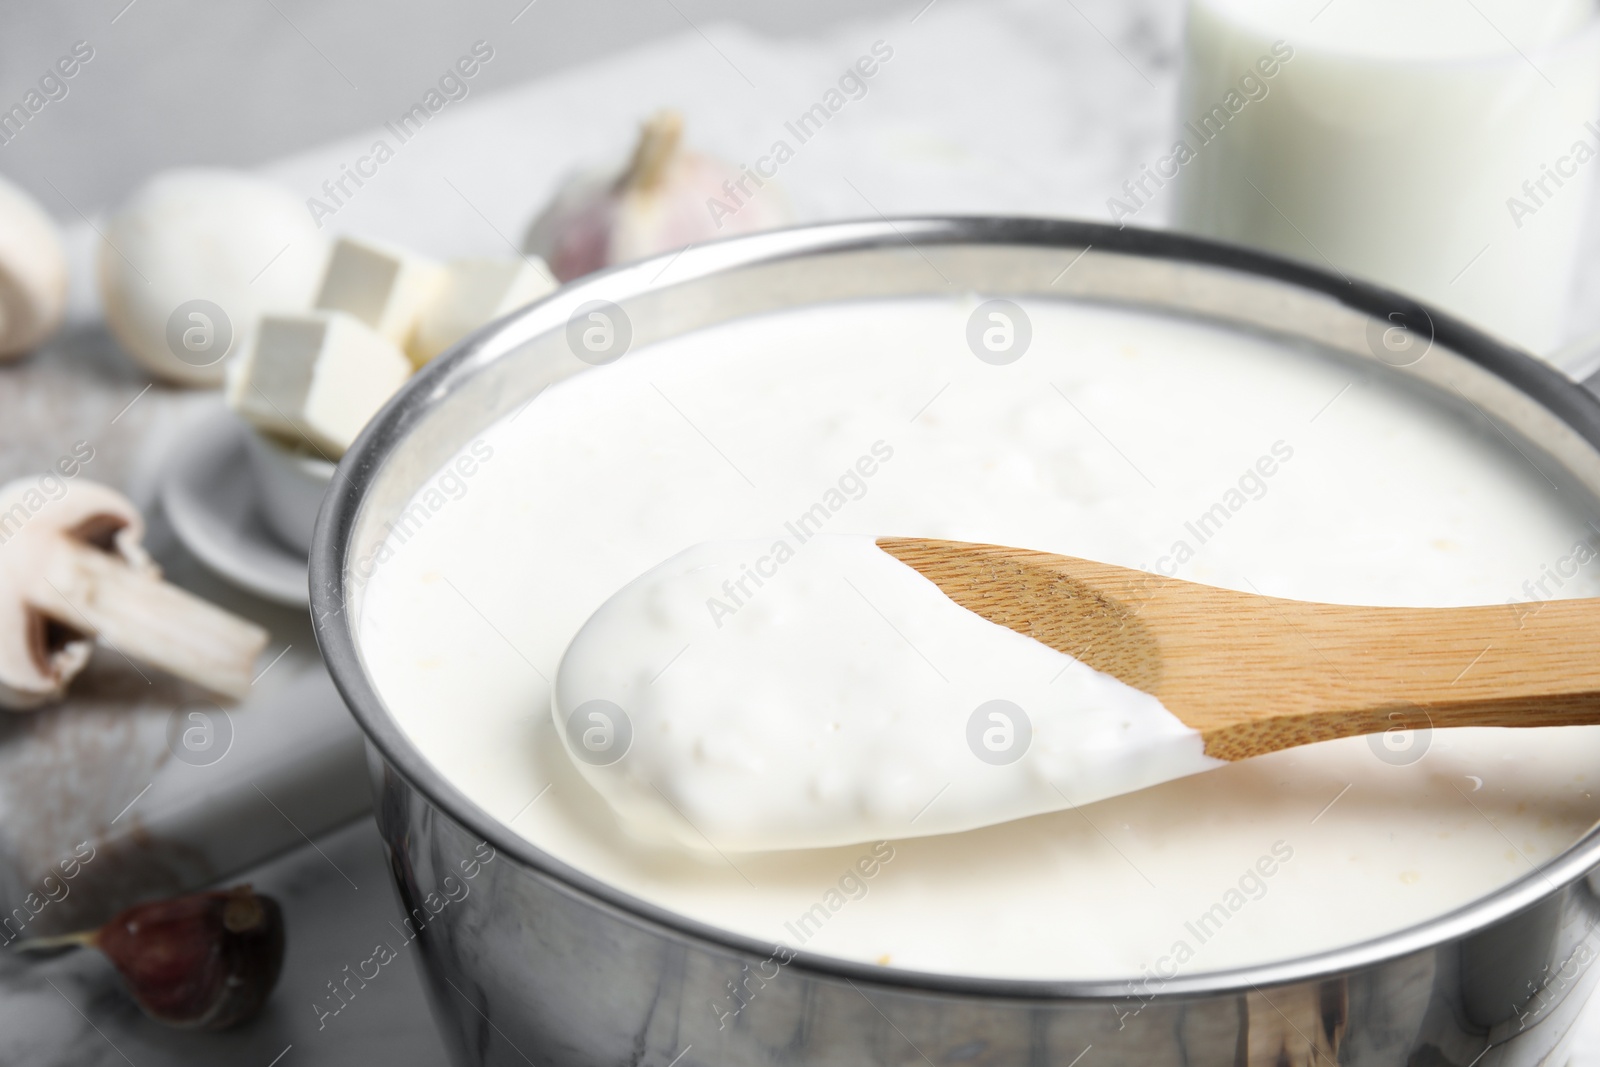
(188,82)
(176,83)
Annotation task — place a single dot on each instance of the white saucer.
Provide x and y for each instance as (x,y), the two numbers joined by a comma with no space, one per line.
(209,494)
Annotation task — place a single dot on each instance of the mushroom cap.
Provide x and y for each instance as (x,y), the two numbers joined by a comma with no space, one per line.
(39,657)
(33,273)
(204,234)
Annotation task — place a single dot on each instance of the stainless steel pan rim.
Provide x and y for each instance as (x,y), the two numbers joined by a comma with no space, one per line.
(1569,402)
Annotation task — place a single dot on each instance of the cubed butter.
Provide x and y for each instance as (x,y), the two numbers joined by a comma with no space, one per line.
(385,287)
(475,292)
(317,376)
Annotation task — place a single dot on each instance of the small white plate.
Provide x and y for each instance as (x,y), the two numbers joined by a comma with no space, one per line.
(210,496)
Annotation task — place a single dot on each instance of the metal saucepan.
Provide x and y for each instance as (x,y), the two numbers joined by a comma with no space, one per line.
(543,964)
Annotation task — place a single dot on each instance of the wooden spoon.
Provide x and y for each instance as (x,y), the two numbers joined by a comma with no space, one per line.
(1254,674)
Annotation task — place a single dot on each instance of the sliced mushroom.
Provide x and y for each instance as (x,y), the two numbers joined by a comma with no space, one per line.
(72,569)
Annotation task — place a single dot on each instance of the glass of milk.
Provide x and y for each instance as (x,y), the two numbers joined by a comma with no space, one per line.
(1445,148)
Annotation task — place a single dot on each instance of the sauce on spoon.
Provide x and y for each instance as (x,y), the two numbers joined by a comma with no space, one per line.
(748,696)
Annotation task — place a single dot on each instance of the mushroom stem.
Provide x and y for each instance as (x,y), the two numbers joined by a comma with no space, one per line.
(147,619)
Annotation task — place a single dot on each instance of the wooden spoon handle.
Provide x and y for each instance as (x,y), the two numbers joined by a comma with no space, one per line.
(1336,671)
(1256,674)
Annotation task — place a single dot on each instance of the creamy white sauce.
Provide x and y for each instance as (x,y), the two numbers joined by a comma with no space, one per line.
(1112,438)
(809,690)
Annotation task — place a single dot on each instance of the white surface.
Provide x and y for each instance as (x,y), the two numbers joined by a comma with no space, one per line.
(789,718)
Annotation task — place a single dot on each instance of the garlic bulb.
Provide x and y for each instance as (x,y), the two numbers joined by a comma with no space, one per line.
(664,198)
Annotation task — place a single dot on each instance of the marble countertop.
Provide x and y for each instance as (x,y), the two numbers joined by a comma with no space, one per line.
(1011,107)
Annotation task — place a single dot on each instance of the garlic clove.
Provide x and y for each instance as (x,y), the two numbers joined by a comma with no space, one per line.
(675,213)
(33,273)
(573,234)
(206,961)
(660,200)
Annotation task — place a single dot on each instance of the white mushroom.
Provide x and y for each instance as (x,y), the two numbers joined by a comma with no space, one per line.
(33,273)
(236,242)
(71,569)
